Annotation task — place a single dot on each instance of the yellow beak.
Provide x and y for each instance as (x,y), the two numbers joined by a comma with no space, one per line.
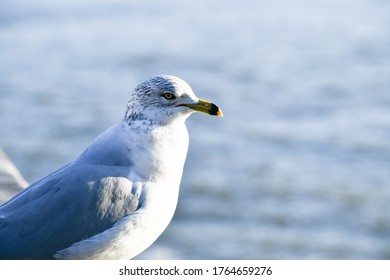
(205,107)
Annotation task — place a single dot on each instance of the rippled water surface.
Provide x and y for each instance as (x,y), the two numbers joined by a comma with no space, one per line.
(298,168)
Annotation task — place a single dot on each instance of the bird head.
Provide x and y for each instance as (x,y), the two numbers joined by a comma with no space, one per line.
(162,99)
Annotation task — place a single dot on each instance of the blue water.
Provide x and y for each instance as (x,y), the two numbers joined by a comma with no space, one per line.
(298,168)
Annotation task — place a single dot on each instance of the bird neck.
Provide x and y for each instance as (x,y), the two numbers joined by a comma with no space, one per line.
(161,152)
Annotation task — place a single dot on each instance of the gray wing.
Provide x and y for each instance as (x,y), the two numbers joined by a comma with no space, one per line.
(70,205)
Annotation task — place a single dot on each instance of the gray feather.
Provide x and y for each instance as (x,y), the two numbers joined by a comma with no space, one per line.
(87,204)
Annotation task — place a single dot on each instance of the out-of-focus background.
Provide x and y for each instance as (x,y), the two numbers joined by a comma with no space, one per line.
(298,168)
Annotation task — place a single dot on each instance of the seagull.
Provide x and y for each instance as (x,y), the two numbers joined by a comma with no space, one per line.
(117,197)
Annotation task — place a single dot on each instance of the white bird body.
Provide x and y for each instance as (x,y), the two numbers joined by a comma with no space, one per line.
(116,198)
(154,177)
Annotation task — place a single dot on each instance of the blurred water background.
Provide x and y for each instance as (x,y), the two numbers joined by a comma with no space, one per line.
(298,168)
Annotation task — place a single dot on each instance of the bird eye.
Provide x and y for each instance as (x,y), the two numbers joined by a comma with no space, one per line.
(168,95)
